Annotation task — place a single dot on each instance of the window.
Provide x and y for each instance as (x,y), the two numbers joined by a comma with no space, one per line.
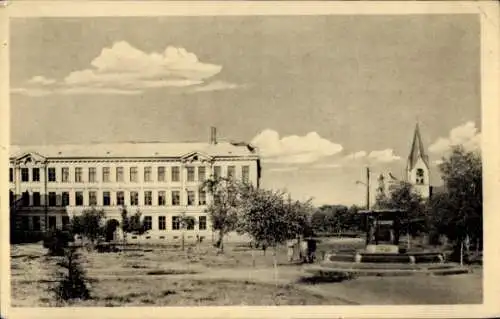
(176,198)
(202,198)
(78,198)
(36,199)
(52,199)
(78,175)
(162,198)
(92,198)
(25,174)
(11,175)
(245,173)
(202,222)
(25,223)
(148,198)
(175,174)
(119,174)
(147,174)
(105,175)
(120,198)
(176,223)
(201,174)
(11,197)
(52,174)
(133,174)
(217,171)
(190,174)
(134,198)
(65,198)
(161,174)
(52,222)
(420,176)
(92,173)
(65,174)
(65,222)
(231,171)
(36,223)
(36,174)
(162,223)
(148,222)
(190,198)
(106,198)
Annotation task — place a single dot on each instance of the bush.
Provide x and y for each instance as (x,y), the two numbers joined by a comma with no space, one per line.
(56,241)
(73,283)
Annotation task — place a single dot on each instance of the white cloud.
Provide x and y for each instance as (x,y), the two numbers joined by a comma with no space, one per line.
(466,135)
(35,92)
(356,155)
(383,156)
(294,149)
(41,80)
(124,69)
(216,86)
(96,90)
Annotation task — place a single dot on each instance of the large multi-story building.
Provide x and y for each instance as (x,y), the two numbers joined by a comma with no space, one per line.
(51,183)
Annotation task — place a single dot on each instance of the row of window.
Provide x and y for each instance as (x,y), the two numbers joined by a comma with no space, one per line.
(161,199)
(147,221)
(52,175)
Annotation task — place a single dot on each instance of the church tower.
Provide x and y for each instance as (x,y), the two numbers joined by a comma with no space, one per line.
(417,169)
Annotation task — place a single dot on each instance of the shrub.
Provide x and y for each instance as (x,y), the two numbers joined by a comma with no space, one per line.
(56,241)
(73,283)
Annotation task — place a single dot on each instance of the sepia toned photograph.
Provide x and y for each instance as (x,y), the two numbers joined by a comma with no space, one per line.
(245,160)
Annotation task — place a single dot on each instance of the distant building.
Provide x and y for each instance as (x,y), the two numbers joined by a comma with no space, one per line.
(417,171)
(51,183)
(417,168)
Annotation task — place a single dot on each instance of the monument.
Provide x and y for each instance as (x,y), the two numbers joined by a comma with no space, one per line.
(383,228)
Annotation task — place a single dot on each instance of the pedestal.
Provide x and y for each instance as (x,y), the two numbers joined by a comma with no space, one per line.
(382,249)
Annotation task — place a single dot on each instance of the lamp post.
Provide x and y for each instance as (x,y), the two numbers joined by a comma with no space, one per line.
(367,185)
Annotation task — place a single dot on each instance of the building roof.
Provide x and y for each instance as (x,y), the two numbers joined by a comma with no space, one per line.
(417,150)
(133,149)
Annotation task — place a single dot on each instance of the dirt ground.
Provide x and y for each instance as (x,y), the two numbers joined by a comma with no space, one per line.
(167,276)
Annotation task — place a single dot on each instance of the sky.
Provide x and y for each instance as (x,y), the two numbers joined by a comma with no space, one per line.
(321,96)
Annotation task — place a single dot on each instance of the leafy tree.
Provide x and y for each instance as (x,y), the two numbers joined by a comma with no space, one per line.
(90,224)
(270,219)
(224,206)
(72,282)
(331,219)
(403,196)
(458,211)
(185,222)
(132,224)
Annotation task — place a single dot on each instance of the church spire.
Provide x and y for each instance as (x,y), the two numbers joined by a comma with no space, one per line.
(417,150)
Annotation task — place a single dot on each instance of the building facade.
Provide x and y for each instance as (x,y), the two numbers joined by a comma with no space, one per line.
(50,184)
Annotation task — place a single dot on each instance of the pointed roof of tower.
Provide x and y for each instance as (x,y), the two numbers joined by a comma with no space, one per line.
(417,150)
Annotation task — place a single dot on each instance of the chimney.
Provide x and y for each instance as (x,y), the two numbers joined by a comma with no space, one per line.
(213,135)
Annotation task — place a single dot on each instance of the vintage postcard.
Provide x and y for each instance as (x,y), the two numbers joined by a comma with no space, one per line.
(249,159)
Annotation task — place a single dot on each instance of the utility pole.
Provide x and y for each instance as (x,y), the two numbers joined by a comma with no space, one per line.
(368,188)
